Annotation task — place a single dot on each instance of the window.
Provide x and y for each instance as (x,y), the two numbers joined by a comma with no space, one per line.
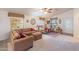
(54,22)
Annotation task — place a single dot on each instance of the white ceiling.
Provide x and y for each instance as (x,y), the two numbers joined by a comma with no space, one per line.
(29,11)
(20,10)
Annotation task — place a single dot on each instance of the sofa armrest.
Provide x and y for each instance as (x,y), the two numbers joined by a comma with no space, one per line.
(23,43)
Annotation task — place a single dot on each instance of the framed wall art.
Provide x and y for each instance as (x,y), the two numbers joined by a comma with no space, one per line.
(33,21)
(27,21)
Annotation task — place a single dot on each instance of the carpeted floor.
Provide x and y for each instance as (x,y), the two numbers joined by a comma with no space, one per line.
(3,45)
(53,34)
(51,42)
(56,42)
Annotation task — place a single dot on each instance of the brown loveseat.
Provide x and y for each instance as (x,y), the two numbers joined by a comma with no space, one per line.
(22,39)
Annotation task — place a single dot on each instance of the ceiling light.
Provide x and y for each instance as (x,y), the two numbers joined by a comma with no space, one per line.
(45,12)
(41,10)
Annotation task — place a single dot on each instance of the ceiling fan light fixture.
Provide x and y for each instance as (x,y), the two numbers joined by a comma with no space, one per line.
(45,12)
(41,10)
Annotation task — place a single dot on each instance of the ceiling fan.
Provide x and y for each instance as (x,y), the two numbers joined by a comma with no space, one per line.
(48,10)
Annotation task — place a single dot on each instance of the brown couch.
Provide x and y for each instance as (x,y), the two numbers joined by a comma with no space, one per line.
(22,39)
(20,43)
(36,34)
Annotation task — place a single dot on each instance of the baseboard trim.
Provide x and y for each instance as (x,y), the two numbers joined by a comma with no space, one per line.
(67,34)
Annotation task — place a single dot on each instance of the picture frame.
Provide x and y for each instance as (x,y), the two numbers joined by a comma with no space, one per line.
(33,21)
(27,21)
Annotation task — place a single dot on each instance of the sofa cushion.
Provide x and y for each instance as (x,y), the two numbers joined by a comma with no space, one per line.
(29,32)
(16,35)
(32,29)
(23,35)
(26,30)
(19,31)
(37,33)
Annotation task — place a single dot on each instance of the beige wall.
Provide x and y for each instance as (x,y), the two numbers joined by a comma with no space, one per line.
(4,25)
(66,17)
(76,23)
(27,25)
